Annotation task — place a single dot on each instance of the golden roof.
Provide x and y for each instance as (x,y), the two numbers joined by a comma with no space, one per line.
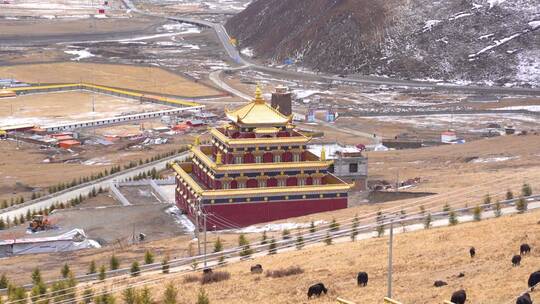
(257,112)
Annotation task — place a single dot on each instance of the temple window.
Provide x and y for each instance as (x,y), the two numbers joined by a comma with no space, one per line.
(277,158)
(301,181)
(281,182)
(241,184)
(258,159)
(226,185)
(296,157)
(316,181)
(238,159)
(262,183)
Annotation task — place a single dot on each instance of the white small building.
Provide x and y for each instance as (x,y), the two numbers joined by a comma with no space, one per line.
(449,136)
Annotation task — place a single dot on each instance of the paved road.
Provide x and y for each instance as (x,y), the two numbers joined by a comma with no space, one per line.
(84,189)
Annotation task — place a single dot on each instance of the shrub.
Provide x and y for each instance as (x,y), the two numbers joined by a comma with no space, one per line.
(509,194)
(477,213)
(4,282)
(105,298)
(146,296)
(244,243)
(284,272)
(218,245)
(114,263)
(170,295)
(190,278)
(65,271)
(521,205)
(498,211)
(446,208)
(312,228)
(380,227)
(202,297)
(328,239)
(487,200)
(130,296)
(264,238)
(427,221)
(102,273)
(354,231)
(286,234)
(135,269)
(92,267)
(148,257)
(272,248)
(36,276)
(452,218)
(87,295)
(165,265)
(334,225)
(214,277)
(526,190)
(299,242)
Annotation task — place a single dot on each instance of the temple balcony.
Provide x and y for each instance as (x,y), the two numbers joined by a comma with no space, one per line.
(250,139)
(309,161)
(191,188)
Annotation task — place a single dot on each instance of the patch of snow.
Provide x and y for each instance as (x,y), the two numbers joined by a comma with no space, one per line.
(458,16)
(496,44)
(534,24)
(191,46)
(181,218)
(428,25)
(181,28)
(493,159)
(485,36)
(247,52)
(493,3)
(535,108)
(279,227)
(81,54)
(300,94)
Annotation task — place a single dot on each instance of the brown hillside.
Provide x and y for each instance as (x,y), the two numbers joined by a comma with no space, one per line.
(420,258)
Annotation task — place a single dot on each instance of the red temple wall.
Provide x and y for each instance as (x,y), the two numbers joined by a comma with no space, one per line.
(246,214)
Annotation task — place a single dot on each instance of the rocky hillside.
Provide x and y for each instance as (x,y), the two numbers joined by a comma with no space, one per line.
(489,41)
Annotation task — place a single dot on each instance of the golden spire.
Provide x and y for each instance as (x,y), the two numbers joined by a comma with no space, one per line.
(219,160)
(323,154)
(258,95)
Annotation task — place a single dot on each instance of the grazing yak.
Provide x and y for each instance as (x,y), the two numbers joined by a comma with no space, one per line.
(362,279)
(516,260)
(207,271)
(439,283)
(524,249)
(459,297)
(524,299)
(316,290)
(534,279)
(256,268)
(472,252)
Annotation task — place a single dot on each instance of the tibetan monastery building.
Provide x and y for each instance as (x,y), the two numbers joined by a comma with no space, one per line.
(256,169)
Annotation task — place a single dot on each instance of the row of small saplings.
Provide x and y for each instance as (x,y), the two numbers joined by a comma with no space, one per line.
(460,296)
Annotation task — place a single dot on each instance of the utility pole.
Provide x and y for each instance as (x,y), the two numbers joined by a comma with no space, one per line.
(204,227)
(389,292)
(197,230)
(397,181)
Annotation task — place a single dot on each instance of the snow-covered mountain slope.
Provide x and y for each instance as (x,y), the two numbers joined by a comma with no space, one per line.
(489,41)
